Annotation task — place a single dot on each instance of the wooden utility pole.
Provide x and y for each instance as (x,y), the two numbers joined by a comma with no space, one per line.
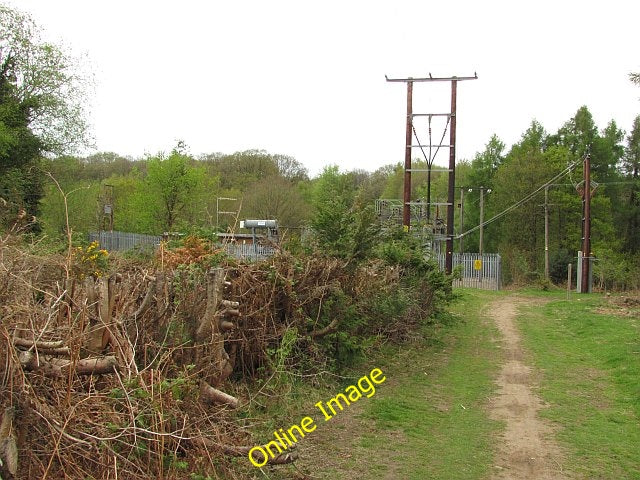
(406,210)
(481,245)
(461,218)
(586,221)
(546,232)
(406,204)
(448,260)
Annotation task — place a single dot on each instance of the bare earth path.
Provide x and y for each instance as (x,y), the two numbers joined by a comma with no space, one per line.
(527,450)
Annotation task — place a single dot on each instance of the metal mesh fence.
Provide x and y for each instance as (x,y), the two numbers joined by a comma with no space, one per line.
(122,241)
(478,271)
(252,252)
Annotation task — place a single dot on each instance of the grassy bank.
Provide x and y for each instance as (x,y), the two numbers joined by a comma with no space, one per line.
(589,354)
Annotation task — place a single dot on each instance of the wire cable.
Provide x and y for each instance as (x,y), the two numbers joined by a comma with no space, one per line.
(415,134)
(444,132)
(521,202)
(430,159)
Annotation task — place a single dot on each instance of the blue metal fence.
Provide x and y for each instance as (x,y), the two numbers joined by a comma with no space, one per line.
(122,241)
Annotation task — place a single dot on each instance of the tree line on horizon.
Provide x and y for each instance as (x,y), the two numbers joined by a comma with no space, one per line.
(178,192)
(42,119)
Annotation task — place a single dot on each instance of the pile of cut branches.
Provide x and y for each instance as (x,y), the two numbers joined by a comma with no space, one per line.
(135,374)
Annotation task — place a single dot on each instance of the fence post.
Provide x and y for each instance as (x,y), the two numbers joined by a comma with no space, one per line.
(579,271)
(568,281)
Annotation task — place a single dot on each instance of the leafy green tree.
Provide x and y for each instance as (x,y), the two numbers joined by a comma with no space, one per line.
(631,193)
(47,82)
(480,173)
(578,134)
(394,183)
(102,165)
(241,169)
(135,210)
(275,197)
(290,168)
(42,107)
(82,203)
(332,199)
(343,226)
(525,169)
(631,163)
(374,185)
(172,183)
(485,164)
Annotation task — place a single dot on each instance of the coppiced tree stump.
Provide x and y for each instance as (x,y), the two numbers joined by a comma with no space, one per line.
(209,334)
(101,300)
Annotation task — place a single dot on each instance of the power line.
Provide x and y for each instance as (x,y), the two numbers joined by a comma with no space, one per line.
(521,202)
(599,183)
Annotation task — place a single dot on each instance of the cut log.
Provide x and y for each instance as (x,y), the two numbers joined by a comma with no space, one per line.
(258,456)
(283,459)
(8,444)
(225,325)
(49,348)
(231,312)
(30,362)
(212,395)
(206,326)
(230,304)
(93,366)
(40,345)
(58,368)
(98,302)
(243,451)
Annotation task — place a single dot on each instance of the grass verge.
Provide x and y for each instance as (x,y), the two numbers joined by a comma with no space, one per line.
(590,364)
(429,419)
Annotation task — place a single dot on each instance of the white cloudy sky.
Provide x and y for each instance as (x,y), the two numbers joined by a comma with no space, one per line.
(307,78)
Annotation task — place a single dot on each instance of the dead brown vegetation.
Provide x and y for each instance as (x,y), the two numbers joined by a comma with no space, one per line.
(128,375)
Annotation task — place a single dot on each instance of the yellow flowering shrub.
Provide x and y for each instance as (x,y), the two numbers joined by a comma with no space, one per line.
(90,261)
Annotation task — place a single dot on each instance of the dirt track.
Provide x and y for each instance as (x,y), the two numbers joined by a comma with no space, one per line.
(527,450)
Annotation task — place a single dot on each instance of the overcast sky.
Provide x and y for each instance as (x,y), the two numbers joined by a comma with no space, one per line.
(306,79)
